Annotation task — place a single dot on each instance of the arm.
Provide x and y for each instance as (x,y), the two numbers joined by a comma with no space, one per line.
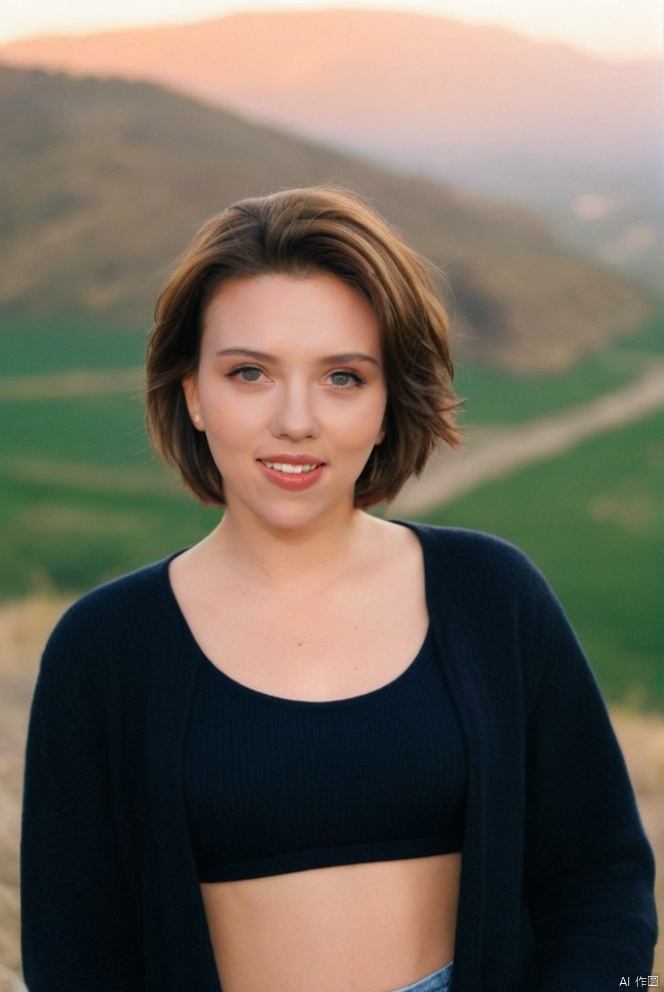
(589,868)
(77,931)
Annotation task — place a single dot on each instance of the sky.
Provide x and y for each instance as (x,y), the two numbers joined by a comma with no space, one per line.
(616,29)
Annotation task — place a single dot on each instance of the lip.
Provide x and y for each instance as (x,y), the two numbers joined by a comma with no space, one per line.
(292,481)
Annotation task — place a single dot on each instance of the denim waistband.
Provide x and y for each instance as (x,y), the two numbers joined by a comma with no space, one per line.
(440,981)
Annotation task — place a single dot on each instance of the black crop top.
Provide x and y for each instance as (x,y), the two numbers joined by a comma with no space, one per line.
(277,785)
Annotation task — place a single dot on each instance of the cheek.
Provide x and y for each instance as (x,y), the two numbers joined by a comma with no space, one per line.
(362,428)
(227,416)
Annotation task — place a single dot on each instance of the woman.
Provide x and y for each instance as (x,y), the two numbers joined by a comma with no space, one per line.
(321,750)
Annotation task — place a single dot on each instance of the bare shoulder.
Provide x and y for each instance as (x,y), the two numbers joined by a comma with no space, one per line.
(394,544)
(394,561)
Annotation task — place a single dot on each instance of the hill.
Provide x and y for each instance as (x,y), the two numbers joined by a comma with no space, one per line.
(531,122)
(464,82)
(104,181)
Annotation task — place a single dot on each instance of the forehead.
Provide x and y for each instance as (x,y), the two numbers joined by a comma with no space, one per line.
(289,311)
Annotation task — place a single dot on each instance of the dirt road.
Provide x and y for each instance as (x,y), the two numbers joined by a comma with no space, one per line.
(492,454)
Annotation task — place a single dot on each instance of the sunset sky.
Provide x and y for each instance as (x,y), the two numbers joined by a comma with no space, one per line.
(613,28)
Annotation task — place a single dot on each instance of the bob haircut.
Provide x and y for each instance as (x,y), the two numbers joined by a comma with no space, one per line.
(299,232)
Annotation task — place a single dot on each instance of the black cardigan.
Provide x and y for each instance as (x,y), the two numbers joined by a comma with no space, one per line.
(557,876)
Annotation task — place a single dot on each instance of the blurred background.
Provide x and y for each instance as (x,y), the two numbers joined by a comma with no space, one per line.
(518,146)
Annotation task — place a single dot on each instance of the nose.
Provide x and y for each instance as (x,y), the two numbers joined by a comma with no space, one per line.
(294,416)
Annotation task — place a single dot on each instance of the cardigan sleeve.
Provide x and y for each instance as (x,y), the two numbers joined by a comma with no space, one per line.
(77,931)
(589,868)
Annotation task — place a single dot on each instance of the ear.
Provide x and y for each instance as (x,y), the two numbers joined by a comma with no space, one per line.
(190,390)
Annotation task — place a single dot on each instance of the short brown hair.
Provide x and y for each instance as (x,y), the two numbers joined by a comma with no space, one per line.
(300,231)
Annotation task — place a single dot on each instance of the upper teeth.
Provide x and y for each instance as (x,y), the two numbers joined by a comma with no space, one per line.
(291,469)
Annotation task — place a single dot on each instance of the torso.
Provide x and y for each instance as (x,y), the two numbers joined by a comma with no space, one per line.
(354,928)
(357,928)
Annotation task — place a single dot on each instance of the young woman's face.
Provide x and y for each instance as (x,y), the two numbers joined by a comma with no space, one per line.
(291,394)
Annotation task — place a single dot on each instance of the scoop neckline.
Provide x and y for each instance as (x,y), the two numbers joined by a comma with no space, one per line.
(358,699)
(206,661)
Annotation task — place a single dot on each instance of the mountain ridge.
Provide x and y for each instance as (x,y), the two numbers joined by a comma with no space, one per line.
(408,63)
(536,123)
(104,183)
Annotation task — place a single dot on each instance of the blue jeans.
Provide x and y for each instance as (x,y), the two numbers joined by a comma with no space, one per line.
(440,981)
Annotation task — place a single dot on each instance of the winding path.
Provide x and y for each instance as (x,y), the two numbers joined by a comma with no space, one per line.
(492,454)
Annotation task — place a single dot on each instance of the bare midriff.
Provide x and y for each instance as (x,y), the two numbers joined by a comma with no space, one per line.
(370,927)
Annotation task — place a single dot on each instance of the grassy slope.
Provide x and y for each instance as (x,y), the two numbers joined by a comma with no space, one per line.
(497,397)
(36,345)
(82,497)
(593,520)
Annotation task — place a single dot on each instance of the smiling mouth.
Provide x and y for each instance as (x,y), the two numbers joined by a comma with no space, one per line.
(290,469)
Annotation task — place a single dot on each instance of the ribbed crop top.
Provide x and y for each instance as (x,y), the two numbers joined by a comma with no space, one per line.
(276,785)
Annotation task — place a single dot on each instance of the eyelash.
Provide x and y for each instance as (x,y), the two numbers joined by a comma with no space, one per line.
(356,377)
(237,372)
(358,380)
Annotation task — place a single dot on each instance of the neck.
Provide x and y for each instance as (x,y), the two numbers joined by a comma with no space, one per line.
(275,557)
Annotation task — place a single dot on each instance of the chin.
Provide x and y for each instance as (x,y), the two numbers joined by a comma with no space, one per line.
(293,516)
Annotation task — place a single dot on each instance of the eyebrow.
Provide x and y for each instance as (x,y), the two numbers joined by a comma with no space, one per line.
(262,356)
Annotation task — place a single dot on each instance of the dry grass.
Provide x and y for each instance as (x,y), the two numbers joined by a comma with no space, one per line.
(642,740)
(24,627)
